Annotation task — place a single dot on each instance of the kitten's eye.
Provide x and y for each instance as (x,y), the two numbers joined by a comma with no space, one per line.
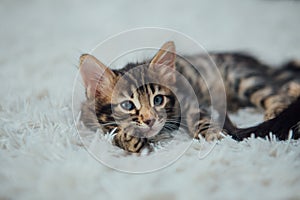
(158,100)
(127,105)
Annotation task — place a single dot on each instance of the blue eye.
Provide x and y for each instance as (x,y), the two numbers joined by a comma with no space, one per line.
(158,100)
(127,105)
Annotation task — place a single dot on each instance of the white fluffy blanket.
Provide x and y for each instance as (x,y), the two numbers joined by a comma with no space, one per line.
(40,152)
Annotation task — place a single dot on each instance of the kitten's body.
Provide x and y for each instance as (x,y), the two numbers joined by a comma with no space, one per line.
(139,104)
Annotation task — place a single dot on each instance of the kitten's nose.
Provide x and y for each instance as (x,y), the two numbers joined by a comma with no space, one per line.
(149,122)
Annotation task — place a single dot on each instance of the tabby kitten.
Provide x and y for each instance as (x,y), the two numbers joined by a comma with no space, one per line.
(144,101)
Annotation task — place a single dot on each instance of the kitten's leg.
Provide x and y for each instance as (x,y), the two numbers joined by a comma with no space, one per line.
(289,90)
(199,123)
(273,104)
(256,88)
(289,75)
(260,91)
(293,89)
(208,130)
(129,142)
(252,83)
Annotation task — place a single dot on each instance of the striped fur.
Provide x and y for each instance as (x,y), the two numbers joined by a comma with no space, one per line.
(248,82)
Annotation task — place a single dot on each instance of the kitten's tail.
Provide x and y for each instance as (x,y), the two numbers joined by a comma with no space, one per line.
(229,127)
(280,126)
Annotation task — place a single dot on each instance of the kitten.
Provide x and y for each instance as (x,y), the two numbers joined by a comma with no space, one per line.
(143,101)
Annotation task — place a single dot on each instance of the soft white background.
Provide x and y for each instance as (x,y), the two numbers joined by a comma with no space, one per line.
(40,155)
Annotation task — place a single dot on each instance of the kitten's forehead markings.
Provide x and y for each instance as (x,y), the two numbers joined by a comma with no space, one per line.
(136,100)
(151,97)
(152,88)
(159,90)
(132,78)
(133,91)
(145,104)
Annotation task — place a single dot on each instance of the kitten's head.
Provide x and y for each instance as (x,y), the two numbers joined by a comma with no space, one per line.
(135,98)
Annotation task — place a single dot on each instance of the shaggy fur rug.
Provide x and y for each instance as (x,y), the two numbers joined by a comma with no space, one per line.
(41,153)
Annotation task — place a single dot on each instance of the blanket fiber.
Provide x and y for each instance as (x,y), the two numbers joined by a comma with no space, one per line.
(41,153)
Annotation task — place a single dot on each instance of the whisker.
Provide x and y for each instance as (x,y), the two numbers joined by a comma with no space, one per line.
(178,125)
(110,123)
(175,122)
(168,129)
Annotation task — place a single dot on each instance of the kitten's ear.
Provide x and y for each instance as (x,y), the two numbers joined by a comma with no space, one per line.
(98,79)
(164,60)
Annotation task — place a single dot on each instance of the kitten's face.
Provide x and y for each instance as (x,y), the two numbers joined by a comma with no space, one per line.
(144,110)
(132,98)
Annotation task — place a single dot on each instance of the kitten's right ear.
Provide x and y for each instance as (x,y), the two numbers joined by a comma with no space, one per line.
(164,62)
(97,78)
(165,57)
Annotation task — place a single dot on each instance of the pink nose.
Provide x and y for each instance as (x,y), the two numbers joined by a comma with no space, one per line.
(149,122)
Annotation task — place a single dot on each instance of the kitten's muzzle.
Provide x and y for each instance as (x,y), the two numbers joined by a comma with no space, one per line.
(151,129)
(149,122)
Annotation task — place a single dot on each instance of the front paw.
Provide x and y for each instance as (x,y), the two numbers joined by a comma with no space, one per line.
(212,134)
(131,143)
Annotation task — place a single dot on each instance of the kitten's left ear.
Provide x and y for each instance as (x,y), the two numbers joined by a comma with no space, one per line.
(97,78)
(164,60)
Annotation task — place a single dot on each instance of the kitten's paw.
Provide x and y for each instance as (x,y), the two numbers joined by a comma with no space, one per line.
(275,105)
(136,145)
(212,134)
(273,112)
(131,143)
(293,89)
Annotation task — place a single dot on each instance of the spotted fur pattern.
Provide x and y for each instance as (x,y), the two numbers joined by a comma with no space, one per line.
(134,104)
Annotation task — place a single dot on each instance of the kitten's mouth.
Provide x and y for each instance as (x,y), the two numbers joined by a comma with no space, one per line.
(149,131)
